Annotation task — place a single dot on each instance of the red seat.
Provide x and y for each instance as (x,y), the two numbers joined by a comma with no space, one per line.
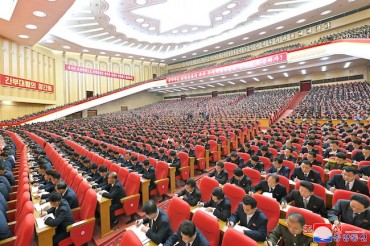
(200,153)
(321,171)
(310,218)
(233,237)
(333,172)
(283,181)
(254,175)
(266,162)
(246,157)
(255,149)
(213,149)
(208,226)
(161,179)
(123,174)
(230,167)
(342,194)
(185,168)
(351,228)
(298,147)
(271,208)
(130,238)
(178,211)
(363,163)
(291,166)
(206,186)
(81,191)
(318,190)
(235,195)
(274,152)
(23,232)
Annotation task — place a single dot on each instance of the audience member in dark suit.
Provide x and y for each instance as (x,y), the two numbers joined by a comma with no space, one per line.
(4,228)
(7,174)
(67,194)
(333,150)
(309,148)
(305,198)
(364,171)
(3,204)
(271,144)
(62,217)
(118,158)
(135,165)
(241,180)
(174,161)
(115,191)
(363,155)
(251,217)
(288,156)
(93,174)
(234,158)
(148,172)
(48,185)
(246,149)
(271,185)
(279,168)
(187,234)
(161,155)
(158,229)
(265,153)
(305,172)
(311,157)
(255,164)
(187,149)
(191,194)
(102,181)
(291,234)
(347,181)
(220,174)
(356,212)
(219,205)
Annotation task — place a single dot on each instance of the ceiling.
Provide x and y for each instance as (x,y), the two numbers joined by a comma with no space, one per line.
(165,31)
(270,73)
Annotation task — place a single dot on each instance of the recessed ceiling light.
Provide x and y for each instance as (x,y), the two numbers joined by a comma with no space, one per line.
(270,77)
(323,68)
(117,54)
(236,74)
(218,18)
(85,50)
(184,31)
(166,86)
(324,58)
(140,20)
(31,27)
(230,43)
(220,84)
(279,27)
(174,59)
(245,38)
(205,50)
(242,80)
(326,12)
(231,5)
(249,72)
(222,77)
(182,83)
(286,75)
(347,64)
(303,71)
(261,33)
(191,82)
(174,85)
(175,31)
(23,36)
(183,56)
(152,59)
(301,20)
(145,25)
(217,47)
(256,79)
(231,83)
(202,87)
(141,2)
(142,58)
(211,85)
(201,80)
(265,69)
(39,13)
(152,28)
(282,66)
(66,47)
(130,56)
(302,62)
(194,28)
(192,88)
(226,12)
(212,79)
(162,60)
(103,53)
(194,54)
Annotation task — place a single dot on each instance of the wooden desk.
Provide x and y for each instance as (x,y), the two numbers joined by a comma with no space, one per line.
(144,187)
(329,199)
(207,159)
(191,164)
(104,205)
(172,175)
(45,235)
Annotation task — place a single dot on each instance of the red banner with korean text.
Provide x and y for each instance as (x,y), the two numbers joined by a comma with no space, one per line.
(6,80)
(98,72)
(233,68)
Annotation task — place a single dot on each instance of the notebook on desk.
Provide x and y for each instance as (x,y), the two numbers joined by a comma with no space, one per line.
(140,234)
(204,210)
(39,207)
(240,228)
(41,222)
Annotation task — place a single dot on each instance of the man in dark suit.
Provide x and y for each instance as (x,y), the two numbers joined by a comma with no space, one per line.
(305,198)
(161,155)
(187,234)
(279,168)
(220,174)
(102,181)
(189,150)
(255,164)
(115,191)
(363,155)
(347,181)
(271,185)
(7,174)
(62,217)
(48,185)
(174,161)
(148,172)
(288,155)
(135,165)
(305,172)
(4,228)
(93,174)
(309,147)
(311,157)
(246,149)
(191,194)
(251,217)
(356,212)
(333,150)
(292,234)
(159,228)
(219,205)
(234,158)
(67,194)
(264,151)
(241,180)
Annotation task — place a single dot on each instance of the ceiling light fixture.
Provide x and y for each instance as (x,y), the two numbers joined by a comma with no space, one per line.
(303,71)
(243,81)
(23,36)
(282,66)
(211,85)
(323,68)
(286,75)
(220,84)
(245,38)
(217,47)
(270,77)
(85,50)
(256,79)
(230,43)
(279,27)
(231,83)
(31,26)
(261,33)
(302,62)
(326,12)
(347,64)
(301,20)
(39,13)
(324,58)
(66,47)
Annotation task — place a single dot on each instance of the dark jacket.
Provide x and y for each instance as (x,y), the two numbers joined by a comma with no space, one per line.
(199,240)
(222,209)
(339,183)
(191,198)
(315,203)
(221,177)
(160,229)
(63,217)
(284,171)
(70,196)
(278,192)
(313,176)
(245,183)
(115,192)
